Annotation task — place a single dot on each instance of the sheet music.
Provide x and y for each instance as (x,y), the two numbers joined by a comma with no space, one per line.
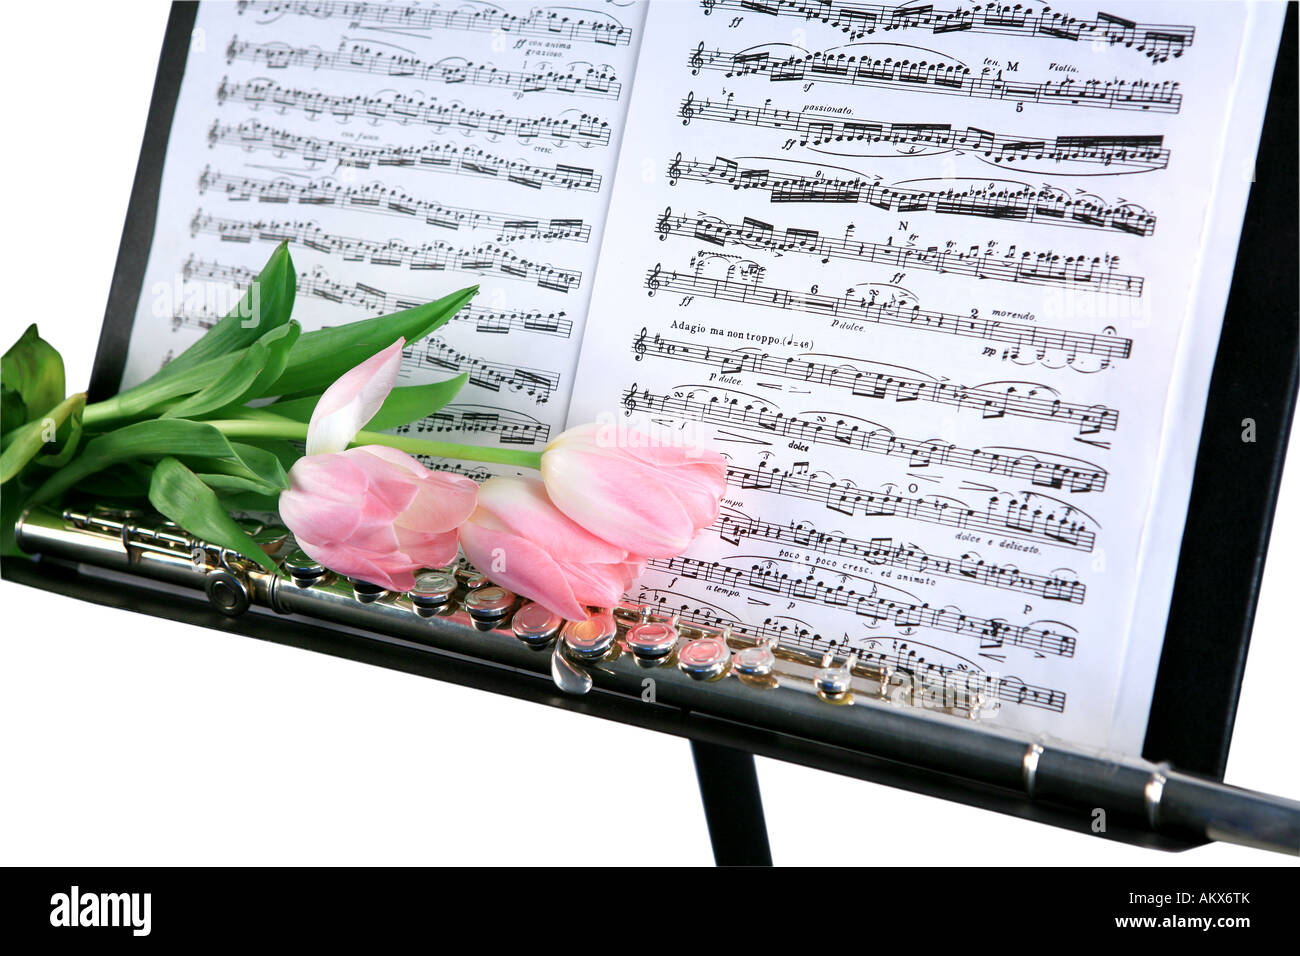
(943,281)
(405,152)
(928,276)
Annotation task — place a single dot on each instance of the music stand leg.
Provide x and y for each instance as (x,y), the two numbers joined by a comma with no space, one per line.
(733,806)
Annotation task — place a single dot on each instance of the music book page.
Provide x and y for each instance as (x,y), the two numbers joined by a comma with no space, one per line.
(404,152)
(943,282)
(925,277)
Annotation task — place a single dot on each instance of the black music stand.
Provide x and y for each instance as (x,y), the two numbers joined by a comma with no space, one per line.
(1208,632)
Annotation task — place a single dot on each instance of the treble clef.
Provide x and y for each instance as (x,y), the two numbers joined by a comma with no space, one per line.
(629,400)
(708,6)
(688,109)
(697,59)
(665,226)
(675,170)
(638,347)
(652,283)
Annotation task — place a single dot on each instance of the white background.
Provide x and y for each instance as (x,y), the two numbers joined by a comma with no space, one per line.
(127,740)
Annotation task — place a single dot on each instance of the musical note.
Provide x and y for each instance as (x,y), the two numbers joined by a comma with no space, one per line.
(989,403)
(1091,272)
(886,552)
(538,384)
(898,313)
(574,80)
(1015,202)
(509,427)
(1158,41)
(844,432)
(436,256)
(379,199)
(949,79)
(568,127)
(1020,518)
(949,682)
(875,608)
(316,283)
(432,157)
(545,22)
(1141,153)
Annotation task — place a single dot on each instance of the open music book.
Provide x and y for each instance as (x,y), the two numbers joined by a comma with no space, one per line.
(944,282)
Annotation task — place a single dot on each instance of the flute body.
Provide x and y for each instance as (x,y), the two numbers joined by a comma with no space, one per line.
(646,653)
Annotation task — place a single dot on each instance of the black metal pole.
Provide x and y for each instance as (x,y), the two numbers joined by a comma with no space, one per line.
(733,806)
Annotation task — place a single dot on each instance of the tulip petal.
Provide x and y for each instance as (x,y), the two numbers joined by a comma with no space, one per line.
(601,585)
(522,567)
(442,501)
(316,517)
(522,506)
(623,505)
(354,563)
(353,400)
(393,484)
(428,550)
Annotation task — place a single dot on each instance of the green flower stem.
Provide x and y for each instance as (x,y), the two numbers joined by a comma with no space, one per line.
(297,431)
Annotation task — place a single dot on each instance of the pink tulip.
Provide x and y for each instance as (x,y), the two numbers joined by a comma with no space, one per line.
(373,512)
(621,486)
(522,542)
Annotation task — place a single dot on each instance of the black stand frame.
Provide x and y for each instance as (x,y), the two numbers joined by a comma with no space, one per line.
(1209,628)
(733,805)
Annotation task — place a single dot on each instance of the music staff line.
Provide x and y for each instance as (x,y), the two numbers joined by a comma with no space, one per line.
(992,634)
(817,428)
(380,199)
(435,256)
(922,139)
(1091,273)
(599,82)
(431,157)
(510,428)
(1158,41)
(886,552)
(538,384)
(1021,519)
(317,284)
(392,106)
(950,79)
(1018,202)
(903,660)
(896,314)
(883,386)
(548,22)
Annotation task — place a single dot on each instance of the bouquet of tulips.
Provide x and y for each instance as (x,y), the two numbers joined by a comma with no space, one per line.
(258,415)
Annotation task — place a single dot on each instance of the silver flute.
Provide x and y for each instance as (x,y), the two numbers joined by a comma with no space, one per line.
(860,706)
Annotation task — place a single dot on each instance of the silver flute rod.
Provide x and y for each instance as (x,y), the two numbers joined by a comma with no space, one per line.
(869,720)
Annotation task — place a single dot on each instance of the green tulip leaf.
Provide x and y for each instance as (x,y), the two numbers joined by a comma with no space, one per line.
(28,440)
(257,369)
(266,304)
(32,373)
(152,439)
(181,495)
(315,360)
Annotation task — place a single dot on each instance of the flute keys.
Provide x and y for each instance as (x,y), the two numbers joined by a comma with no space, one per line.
(227,592)
(475,579)
(303,569)
(488,606)
(834,683)
(432,592)
(705,658)
(754,661)
(365,592)
(535,626)
(591,639)
(651,642)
